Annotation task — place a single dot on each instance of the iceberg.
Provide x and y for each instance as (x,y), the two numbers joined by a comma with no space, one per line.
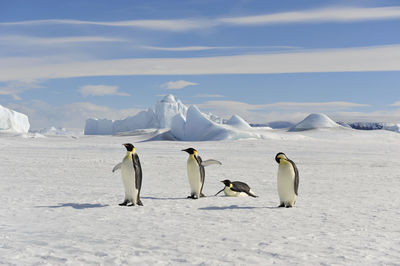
(315,121)
(164,111)
(238,122)
(375,126)
(12,121)
(197,126)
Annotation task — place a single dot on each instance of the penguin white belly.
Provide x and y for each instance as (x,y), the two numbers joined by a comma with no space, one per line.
(286,183)
(128,179)
(193,172)
(230,193)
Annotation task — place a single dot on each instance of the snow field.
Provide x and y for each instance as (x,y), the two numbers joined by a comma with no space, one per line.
(60,202)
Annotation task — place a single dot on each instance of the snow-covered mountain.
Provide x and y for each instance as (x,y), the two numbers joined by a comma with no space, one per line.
(12,121)
(315,121)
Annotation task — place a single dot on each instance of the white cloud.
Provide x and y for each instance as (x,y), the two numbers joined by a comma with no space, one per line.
(320,105)
(287,111)
(360,59)
(101,90)
(177,85)
(165,25)
(43,115)
(332,14)
(14,88)
(204,48)
(282,105)
(392,116)
(395,103)
(208,96)
(30,40)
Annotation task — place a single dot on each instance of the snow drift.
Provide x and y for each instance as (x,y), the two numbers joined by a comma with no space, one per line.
(315,121)
(12,121)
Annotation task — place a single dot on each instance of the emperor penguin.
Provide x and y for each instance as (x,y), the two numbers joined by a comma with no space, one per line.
(236,189)
(196,173)
(288,180)
(131,172)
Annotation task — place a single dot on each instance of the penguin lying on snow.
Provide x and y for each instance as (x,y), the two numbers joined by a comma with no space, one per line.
(236,189)
(288,180)
(131,172)
(196,173)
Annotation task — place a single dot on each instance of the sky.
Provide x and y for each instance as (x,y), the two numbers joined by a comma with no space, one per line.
(62,62)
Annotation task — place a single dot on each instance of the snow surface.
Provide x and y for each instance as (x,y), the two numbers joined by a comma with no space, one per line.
(12,121)
(315,121)
(59,202)
(59,131)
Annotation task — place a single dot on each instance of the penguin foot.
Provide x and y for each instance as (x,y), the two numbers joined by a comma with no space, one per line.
(281,205)
(130,205)
(288,206)
(192,197)
(123,203)
(139,202)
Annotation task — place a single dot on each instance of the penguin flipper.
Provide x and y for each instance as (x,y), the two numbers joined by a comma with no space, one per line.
(138,171)
(118,166)
(296,177)
(251,194)
(210,162)
(219,191)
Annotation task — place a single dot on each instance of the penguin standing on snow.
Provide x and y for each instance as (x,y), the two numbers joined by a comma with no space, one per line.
(236,189)
(288,180)
(131,172)
(196,173)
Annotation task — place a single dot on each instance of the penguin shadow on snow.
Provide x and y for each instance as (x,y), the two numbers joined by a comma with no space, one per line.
(234,207)
(231,207)
(160,198)
(79,206)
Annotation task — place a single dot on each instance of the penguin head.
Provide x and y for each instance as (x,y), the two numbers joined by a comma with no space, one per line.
(280,156)
(129,147)
(227,182)
(190,151)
